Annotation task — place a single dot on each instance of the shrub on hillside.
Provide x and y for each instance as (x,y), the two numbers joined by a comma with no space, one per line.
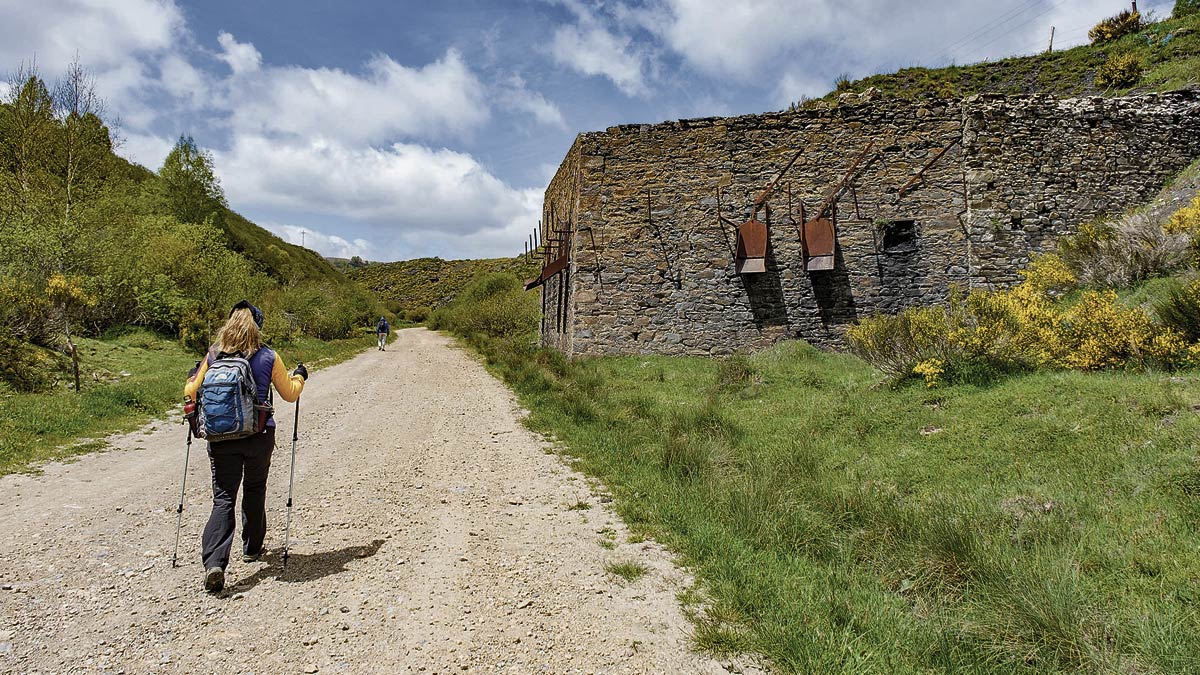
(1115,27)
(1024,327)
(1185,8)
(1186,222)
(1121,254)
(1180,309)
(493,306)
(417,314)
(1119,70)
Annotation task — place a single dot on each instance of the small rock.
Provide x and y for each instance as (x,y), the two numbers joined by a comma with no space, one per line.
(238,596)
(310,669)
(344,609)
(524,603)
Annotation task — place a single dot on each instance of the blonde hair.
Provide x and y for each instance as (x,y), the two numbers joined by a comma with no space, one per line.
(240,334)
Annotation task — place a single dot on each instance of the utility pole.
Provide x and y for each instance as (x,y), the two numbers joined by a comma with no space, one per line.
(1050,50)
(1135,7)
(302,233)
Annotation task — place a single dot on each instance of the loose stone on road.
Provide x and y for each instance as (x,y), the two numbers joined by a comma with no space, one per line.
(431,533)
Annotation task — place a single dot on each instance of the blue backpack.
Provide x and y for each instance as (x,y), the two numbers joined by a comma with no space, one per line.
(228,406)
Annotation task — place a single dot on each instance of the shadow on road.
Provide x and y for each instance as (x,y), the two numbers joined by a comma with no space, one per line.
(302,567)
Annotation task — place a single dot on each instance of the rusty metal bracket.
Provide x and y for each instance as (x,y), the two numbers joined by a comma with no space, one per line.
(920,175)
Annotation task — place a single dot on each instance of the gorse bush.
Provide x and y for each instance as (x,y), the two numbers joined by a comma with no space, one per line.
(1119,70)
(1025,327)
(1121,254)
(1185,8)
(1115,27)
(1186,222)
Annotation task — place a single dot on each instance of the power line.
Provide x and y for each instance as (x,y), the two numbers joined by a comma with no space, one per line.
(980,48)
(992,25)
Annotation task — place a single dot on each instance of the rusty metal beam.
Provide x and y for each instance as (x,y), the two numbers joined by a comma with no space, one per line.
(920,175)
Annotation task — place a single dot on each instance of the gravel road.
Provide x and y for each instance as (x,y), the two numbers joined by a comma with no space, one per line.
(432,533)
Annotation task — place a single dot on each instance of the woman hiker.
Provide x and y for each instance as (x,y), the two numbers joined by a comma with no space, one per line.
(248,457)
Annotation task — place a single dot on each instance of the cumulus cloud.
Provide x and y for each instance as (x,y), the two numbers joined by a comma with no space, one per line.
(241,57)
(388,101)
(149,150)
(598,44)
(403,188)
(330,245)
(515,95)
(111,38)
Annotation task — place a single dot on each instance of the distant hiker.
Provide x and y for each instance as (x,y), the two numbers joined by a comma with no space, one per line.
(382,330)
(222,387)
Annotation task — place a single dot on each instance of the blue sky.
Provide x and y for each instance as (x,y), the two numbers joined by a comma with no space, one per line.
(400,129)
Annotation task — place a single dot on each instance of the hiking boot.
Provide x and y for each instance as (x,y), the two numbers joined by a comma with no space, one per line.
(214,579)
(251,557)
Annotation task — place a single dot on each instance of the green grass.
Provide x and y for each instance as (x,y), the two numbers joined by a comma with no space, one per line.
(628,570)
(1168,50)
(1048,526)
(127,380)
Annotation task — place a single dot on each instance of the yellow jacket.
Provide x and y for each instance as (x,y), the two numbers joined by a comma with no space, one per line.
(287,386)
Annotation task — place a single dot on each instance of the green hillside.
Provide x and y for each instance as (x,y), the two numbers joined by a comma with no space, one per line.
(92,244)
(1166,54)
(275,257)
(430,283)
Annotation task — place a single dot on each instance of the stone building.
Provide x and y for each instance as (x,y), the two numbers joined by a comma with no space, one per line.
(641,222)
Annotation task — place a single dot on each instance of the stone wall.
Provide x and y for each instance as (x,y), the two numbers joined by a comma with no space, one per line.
(1037,168)
(652,267)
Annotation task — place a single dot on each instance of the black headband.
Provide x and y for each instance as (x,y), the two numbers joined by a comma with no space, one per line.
(256,312)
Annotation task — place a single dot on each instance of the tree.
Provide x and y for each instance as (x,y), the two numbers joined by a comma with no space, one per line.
(27,130)
(191,189)
(357,261)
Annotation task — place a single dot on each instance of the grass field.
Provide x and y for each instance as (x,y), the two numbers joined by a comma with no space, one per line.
(1044,523)
(128,379)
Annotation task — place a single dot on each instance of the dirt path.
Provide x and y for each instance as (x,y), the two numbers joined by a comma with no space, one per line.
(432,533)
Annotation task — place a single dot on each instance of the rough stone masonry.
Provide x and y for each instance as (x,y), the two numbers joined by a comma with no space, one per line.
(650,266)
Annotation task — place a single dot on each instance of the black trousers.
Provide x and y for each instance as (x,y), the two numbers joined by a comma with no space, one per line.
(231,460)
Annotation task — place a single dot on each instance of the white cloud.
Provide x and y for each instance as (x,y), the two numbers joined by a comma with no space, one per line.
(148,150)
(515,95)
(405,187)
(241,57)
(389,101)
(330,245)
(594,45)
(184,82)
(107,37)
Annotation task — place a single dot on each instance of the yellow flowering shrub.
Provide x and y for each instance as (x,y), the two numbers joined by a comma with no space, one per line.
(1185,220)
(932,370)
(1023,327)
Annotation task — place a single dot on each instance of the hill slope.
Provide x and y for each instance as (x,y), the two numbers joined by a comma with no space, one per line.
(432,282)
(1168,51)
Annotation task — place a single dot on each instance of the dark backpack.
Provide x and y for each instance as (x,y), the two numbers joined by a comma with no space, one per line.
(382,326)
(227,406)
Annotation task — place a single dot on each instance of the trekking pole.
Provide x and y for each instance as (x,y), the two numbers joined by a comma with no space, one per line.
(182,488)
(291,481)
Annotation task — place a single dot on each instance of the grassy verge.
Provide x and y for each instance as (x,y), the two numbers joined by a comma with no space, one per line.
(1043,524)
(128,379)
